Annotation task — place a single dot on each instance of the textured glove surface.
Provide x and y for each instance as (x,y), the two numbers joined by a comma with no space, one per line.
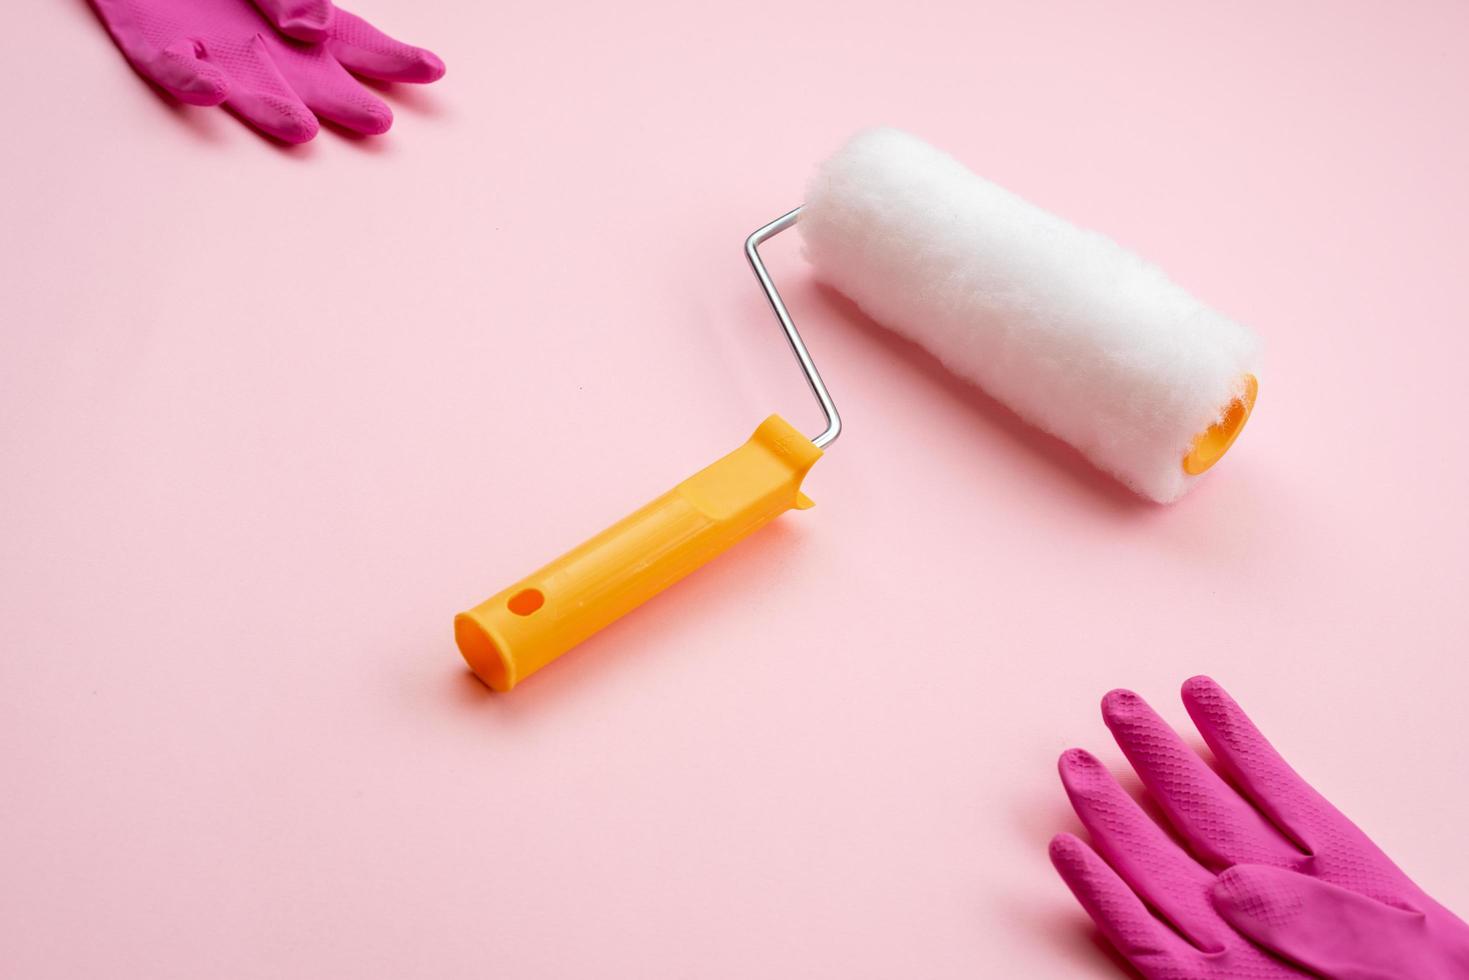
(279,65)
(1275,881)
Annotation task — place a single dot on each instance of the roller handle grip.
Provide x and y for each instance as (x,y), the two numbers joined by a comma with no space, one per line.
(518,631)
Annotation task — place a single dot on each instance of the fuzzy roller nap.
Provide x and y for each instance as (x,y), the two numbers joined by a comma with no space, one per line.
(1071,331)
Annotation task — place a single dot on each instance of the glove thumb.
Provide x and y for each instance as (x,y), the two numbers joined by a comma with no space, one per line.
(304,20)
(181,69)
(1322,927)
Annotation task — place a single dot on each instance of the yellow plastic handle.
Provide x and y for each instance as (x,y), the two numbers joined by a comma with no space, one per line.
(515,633)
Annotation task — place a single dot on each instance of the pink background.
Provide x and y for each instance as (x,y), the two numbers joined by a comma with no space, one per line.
(269,417)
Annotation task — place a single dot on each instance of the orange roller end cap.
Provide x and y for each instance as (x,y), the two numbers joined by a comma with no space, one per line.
(1210,445)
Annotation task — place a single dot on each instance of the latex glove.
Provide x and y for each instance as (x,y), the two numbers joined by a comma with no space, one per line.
(207,52)
(1273,866)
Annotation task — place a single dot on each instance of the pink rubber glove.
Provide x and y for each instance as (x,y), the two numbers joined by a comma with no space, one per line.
(207,52)
(1275,868)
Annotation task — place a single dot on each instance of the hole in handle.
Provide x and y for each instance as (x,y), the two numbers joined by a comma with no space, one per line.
(526,601)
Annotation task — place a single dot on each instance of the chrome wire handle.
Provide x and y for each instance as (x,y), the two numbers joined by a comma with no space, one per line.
(798,347)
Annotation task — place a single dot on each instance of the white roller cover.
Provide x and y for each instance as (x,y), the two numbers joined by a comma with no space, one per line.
(1070,330)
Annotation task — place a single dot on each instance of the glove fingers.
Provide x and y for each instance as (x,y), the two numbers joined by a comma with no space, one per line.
(260,94)
(1324,928)
(333,94)
(1142,940)
(1251,760)
(1219,825)
(367,51)
(305,20)
(180,71)
(1150,862)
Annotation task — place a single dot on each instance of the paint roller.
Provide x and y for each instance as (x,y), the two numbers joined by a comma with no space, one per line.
(1072,332)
